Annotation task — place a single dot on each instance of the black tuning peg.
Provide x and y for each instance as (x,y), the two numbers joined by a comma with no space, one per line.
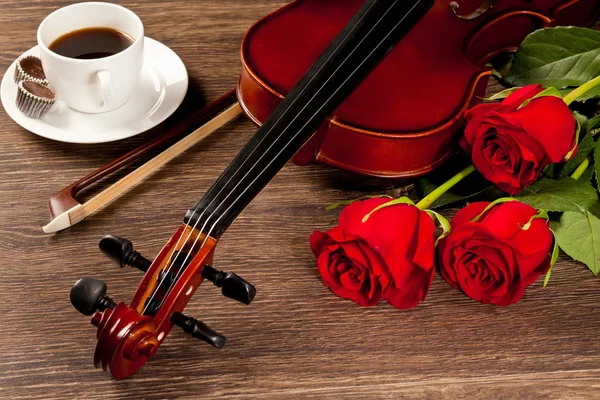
(198,329)
(122,253)
(88,295)
(231,285)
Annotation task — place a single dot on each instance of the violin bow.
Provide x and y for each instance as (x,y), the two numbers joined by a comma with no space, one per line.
(66,211)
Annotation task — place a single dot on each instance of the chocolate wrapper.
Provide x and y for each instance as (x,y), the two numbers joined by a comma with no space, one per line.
(34,99)
(29,68)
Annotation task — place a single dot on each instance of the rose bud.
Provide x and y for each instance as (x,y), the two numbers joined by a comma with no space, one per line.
(510,146)
(390,255)
(494,258)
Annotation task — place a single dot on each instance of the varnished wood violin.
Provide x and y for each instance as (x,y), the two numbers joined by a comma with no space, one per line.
(321,94)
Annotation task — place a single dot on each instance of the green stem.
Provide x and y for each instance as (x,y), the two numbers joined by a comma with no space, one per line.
(433,196)
(581,90)
(581,169)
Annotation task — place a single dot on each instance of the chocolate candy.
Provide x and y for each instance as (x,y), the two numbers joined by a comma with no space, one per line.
(34,99)
(30,68)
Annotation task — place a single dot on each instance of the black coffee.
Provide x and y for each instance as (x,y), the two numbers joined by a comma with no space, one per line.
(91,43)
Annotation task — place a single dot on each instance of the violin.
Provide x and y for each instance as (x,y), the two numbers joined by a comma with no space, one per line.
(349,83)
(402,122)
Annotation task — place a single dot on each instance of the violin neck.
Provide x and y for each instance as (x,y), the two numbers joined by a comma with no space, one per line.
(369,36)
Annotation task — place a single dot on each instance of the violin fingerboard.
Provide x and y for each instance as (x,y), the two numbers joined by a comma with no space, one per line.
(369,36)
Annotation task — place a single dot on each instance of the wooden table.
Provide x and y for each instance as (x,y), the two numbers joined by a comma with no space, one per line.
(297,340)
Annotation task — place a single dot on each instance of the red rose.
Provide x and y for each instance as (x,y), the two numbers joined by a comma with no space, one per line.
(510,146)
(493,259)
(391,255)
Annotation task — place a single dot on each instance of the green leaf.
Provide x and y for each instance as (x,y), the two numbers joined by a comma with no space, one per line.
(564,195)
(583,150)
(581,119)
(595,209)
(597,163)
(593,125)
(566,169)
(550,171)
(558,57)
(588,174)
(590,94)
(578,235)
(501,64)
(549,92)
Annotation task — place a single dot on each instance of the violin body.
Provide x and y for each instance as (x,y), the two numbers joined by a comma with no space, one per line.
(402,120)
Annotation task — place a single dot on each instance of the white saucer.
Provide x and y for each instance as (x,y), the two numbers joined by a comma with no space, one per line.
(162,87)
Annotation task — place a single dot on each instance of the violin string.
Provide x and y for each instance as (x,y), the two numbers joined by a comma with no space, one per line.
(288,143)
(260,158)
(187,225)
(291,140)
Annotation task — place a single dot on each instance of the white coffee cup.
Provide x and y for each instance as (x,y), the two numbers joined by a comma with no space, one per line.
(92,85)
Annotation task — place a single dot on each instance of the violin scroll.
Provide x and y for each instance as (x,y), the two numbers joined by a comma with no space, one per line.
(137,341)
(126,340)
(128,336)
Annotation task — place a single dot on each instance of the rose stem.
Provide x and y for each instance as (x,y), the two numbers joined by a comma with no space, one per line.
(433,196)
(581,169)
(581,90)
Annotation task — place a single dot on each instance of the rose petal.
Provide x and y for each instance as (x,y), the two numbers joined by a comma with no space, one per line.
(468,213)
(482,110)
(394,248)
(507,220)
(413,292)
(504,178)
(318,240)
(515,294)
(518,97)
(425,252)
(378,265)
(383,227)
(493,260)
(446,263)
(530,275)
(550,122)
(347,278)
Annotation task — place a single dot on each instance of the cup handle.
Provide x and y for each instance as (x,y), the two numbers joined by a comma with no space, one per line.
(107,88)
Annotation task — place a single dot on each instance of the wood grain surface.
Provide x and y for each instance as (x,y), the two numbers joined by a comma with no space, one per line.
(297,340)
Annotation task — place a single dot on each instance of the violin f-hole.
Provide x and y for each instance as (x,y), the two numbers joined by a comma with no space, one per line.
(484,7)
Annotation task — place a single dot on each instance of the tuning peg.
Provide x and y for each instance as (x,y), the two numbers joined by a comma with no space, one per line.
(88,295)
(231,285)
(198,329)
(122,253)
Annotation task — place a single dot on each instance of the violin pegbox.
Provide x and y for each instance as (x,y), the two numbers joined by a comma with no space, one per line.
(129,335)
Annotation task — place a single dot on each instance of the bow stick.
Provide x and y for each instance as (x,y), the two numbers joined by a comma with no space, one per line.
(66,211)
